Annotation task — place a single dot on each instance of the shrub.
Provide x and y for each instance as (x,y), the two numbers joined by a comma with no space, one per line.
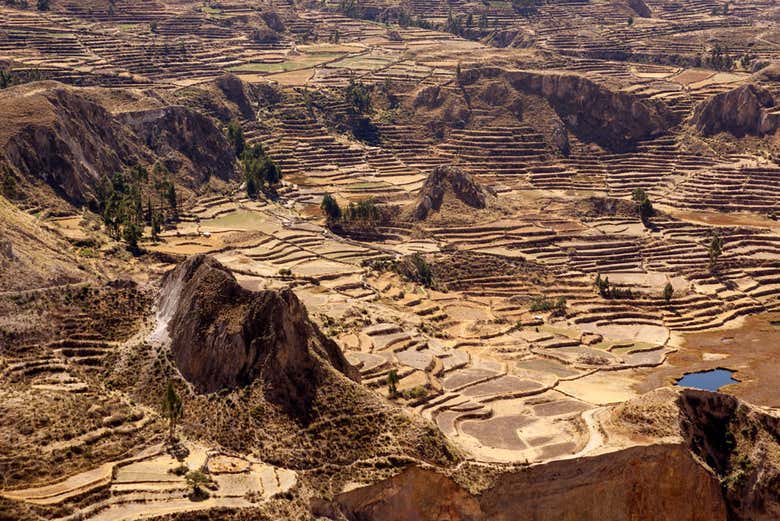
(544,304)
(196,480)
(668,292)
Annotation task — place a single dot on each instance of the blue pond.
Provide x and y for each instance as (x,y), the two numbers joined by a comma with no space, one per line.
(708,380)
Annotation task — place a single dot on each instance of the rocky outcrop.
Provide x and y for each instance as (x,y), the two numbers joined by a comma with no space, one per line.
(448,182)
(651,483)
(746,110)
(70,137)
(224,336)
(741,444)
(188,142)
(63,138)
(594,112)
(235,91)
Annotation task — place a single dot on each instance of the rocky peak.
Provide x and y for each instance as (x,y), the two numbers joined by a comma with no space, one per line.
(224,336)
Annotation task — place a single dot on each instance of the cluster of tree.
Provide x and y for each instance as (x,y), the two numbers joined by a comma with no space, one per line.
(357,96)
(719,59)
(259,170)
(746,60)
(422,270)
(644,206)
(557,307)
(8,183)
(402,17)
(606,290)
(120,201)
(365,212)
(265,35)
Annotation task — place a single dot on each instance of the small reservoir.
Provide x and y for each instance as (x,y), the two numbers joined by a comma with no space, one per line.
(708,380)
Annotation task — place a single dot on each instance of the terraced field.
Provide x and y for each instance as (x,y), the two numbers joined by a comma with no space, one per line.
(511,349)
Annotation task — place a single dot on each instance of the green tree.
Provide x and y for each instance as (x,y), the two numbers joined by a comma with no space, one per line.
(8,186)
(6,80)
(331,208)
(156,226)
(172,409)
(235,136)
(258,169)
(357,96)
(644,206)
(668,292)
(131,234)
(392,383)
(714,250)
(424,273)
(173,203)
(196,480)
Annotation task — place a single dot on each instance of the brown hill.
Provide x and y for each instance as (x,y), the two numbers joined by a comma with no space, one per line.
(30,256)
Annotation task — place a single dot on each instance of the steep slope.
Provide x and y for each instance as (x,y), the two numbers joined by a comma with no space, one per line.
(70,137)
(30,256)
(652,483)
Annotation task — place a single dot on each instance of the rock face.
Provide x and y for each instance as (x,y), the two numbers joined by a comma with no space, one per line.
(70,137)
(224,336)
(594,112)
(236,91)
(610,118)
(651,483)
(746,110)
(721,451)
(742,445)
(444,181)
(188,141)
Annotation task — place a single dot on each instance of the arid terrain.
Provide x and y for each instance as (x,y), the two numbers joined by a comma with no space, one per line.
(389,260)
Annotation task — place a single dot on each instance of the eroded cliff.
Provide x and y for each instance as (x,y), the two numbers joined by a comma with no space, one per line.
(224,336)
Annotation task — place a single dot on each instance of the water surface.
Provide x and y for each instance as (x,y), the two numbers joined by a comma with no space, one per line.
(708,380)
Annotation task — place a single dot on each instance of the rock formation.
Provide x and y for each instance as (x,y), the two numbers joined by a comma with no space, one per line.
(448,182)
(651,483)
(224,336)
(739,442)
(596,113)
(746,110)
